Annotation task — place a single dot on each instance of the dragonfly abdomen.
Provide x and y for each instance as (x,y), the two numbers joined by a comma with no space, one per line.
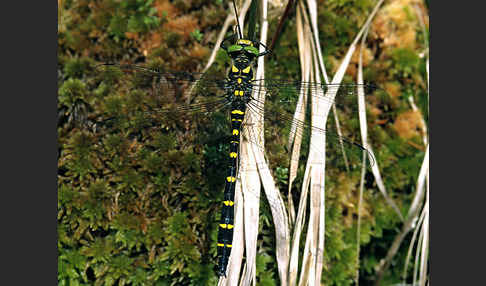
(226,224)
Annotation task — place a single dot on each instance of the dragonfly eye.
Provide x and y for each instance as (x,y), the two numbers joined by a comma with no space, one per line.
(234,48)
(252,50)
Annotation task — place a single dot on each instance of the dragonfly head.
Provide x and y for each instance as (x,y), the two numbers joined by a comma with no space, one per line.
(243,53)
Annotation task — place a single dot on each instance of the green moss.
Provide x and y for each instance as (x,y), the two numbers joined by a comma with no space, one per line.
(172,40)
(406,61)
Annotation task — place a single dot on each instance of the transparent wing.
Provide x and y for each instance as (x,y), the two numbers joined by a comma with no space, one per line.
(287,91)
(160,97)
(280,102)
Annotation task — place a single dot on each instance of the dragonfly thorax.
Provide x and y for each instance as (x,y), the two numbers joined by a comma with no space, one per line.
(239,86)
(242,60)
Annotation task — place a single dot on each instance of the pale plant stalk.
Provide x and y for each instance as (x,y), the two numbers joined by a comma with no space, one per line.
(425,246)
(364,140)
(299,115)
(417,257)
(410,247)
(419,228)
(305,49)
(340,134)
(300,219)
(314,245)
(252,186)
(312,10)
(321,109)
(375,169)
(425,225)
(423,126)
(360,203)
(312,5)
(426,207)
(227,22)
(305,58)
(315,162)
(320,197)
(251,202)
(410,221)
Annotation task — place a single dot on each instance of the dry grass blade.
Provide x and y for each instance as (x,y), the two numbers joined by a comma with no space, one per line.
(410,247)
(360,202)
(299,221)
(299,115)
(339,132)
(312,5)
(417,257)
(421,180)
(251,202)
(229,19)
(424,255)
(375,169)
(411,219)
(314,245)
(364,140)
(277,205)
(423,126)
(318,189)
(305,55)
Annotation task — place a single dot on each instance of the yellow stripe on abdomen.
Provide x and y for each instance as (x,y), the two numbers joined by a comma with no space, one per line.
(228,203)
(236,111)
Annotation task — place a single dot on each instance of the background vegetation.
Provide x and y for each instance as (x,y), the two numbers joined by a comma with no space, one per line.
(138,207)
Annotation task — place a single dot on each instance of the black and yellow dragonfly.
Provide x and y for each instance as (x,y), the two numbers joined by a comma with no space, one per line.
(203,95)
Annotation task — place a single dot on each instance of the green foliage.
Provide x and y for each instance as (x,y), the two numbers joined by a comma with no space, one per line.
(406,62)
(133,16)
(71,91)
(282,175)
(264,270)
(196,34)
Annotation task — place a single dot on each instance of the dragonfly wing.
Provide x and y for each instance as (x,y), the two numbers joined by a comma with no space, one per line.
(153,96)
(279,118)
(286,92)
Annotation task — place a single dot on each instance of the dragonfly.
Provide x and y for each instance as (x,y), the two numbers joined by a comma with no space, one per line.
(204,94)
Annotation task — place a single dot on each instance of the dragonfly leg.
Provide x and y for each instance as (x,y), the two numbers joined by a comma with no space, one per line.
(267,51)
